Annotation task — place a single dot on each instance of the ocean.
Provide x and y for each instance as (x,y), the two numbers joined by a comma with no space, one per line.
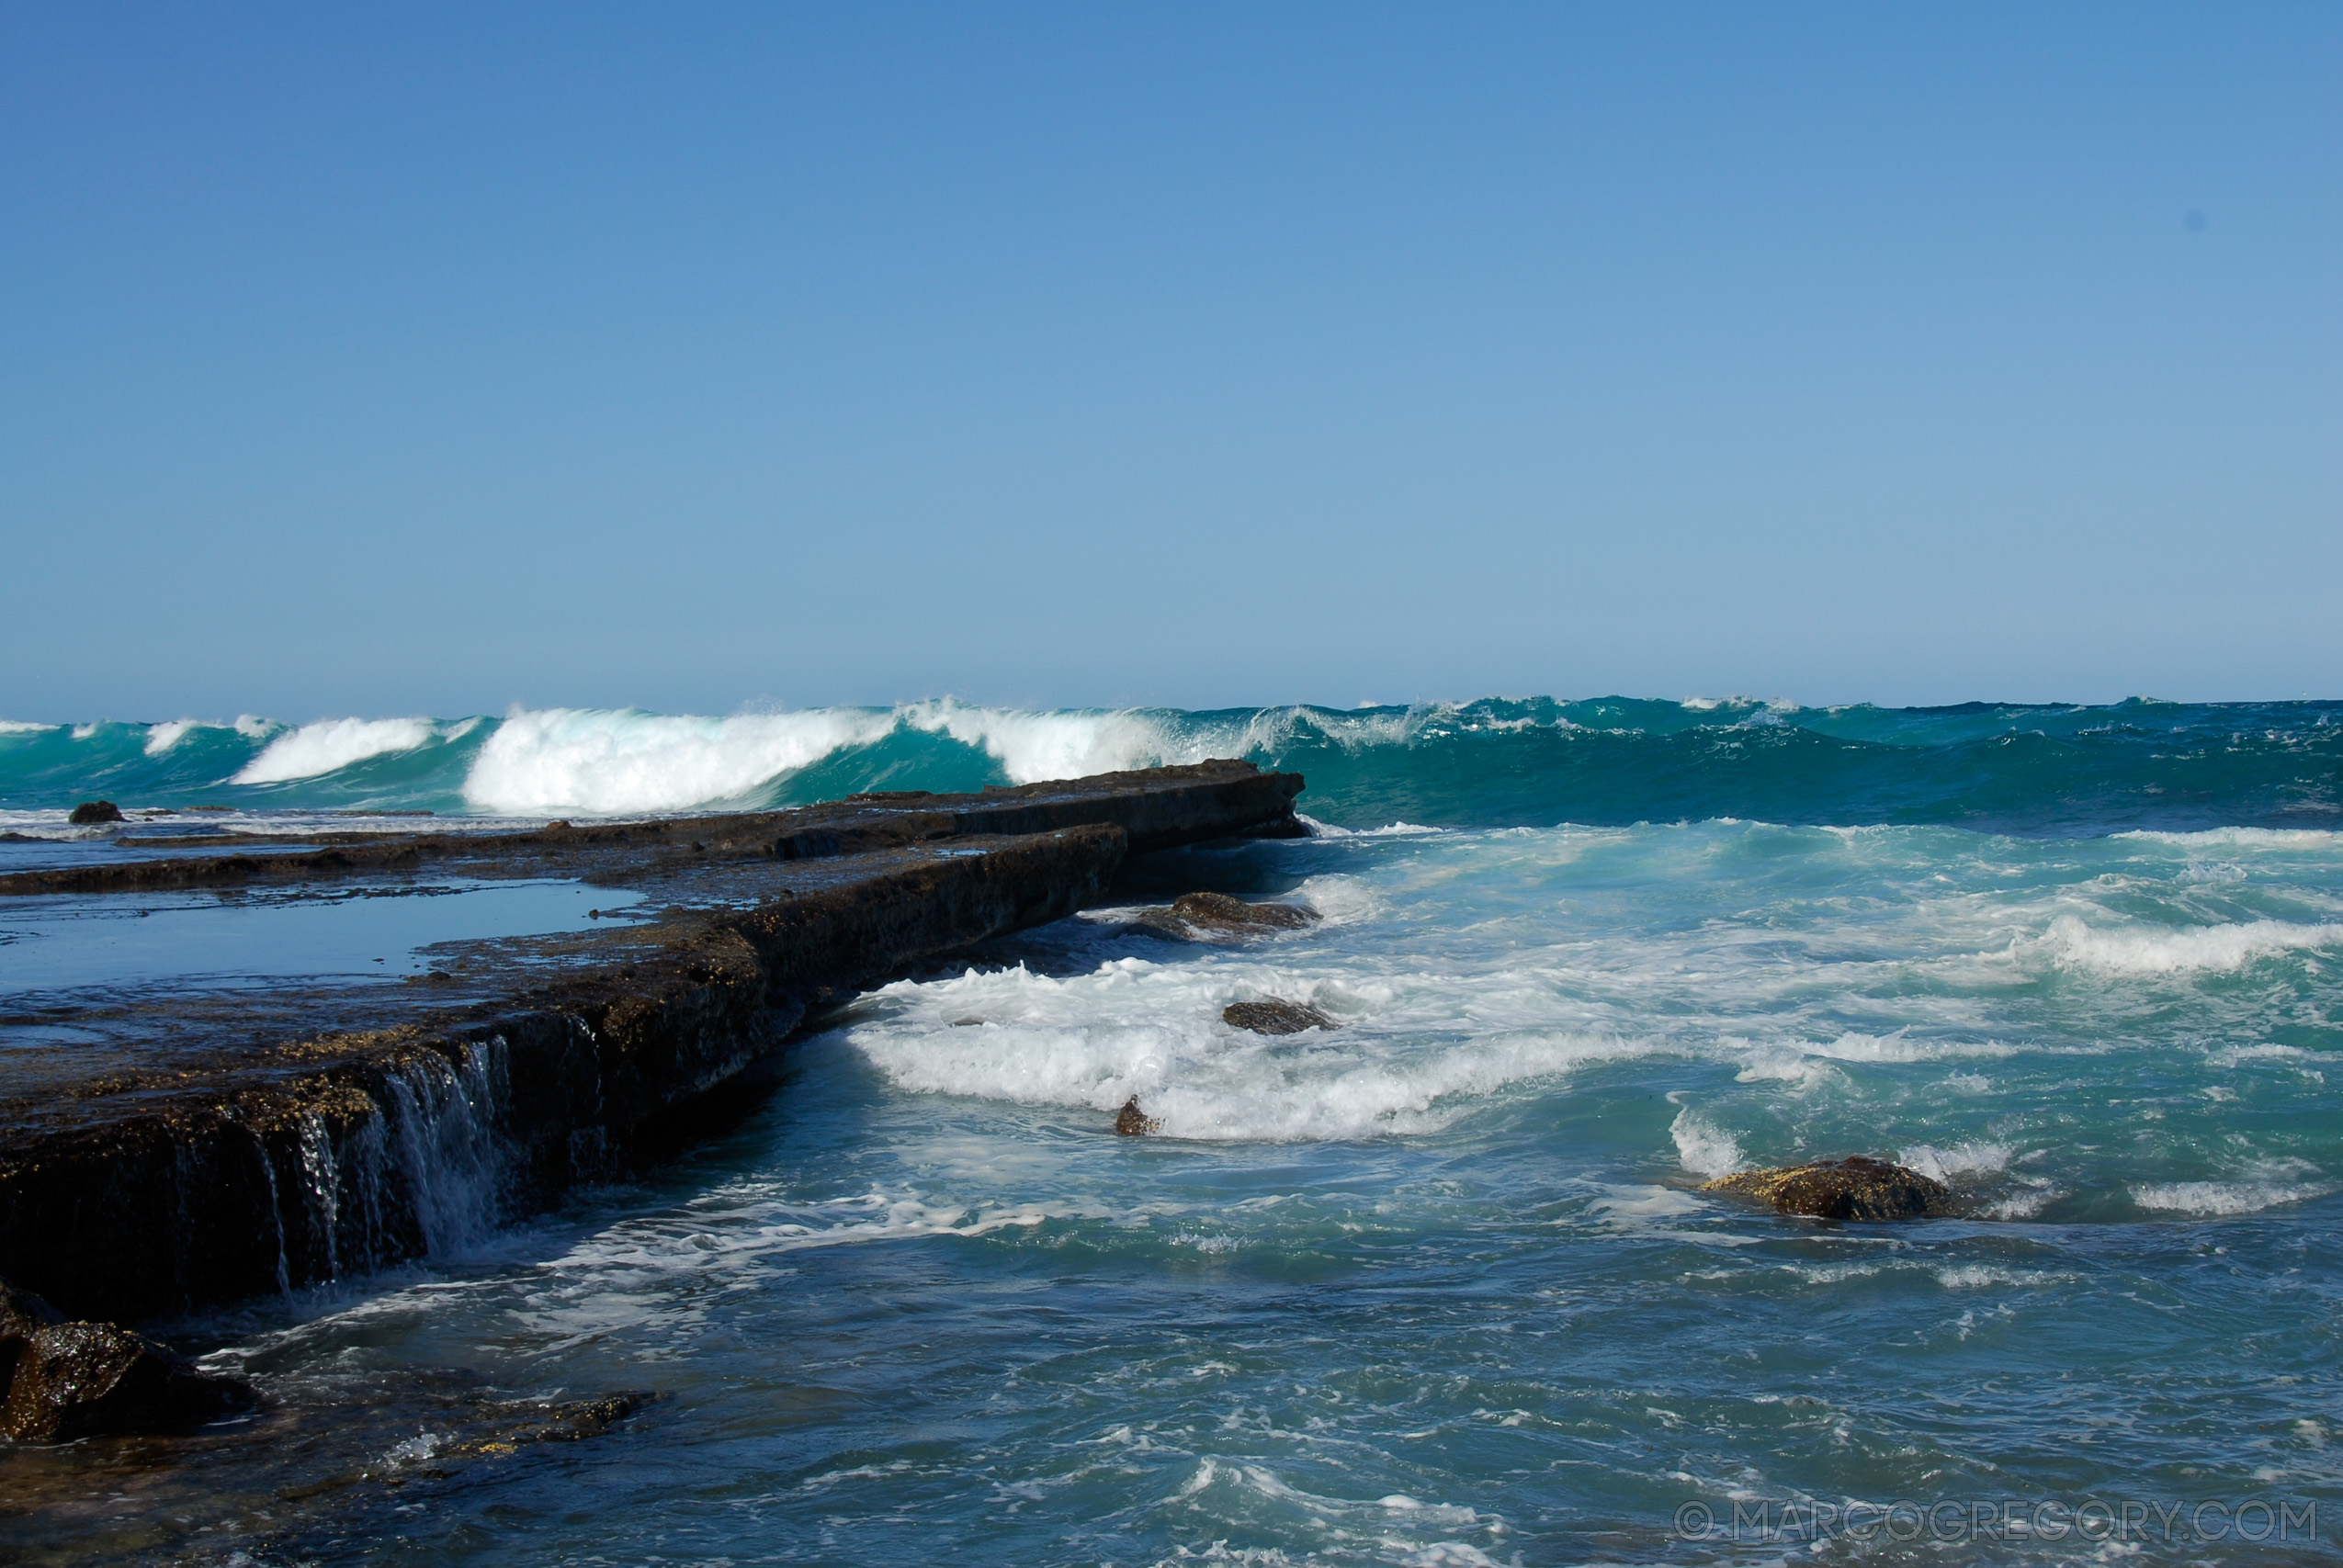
(1437,1286)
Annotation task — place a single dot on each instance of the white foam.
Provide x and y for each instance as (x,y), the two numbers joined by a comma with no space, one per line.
(1136,1030)
(51,824)
(591,761)
(1032,746)
(1393,831)
(1973,1159)
(1784,1064)
(2221,1198)
(2167,950)
(1703,1147)
(2026,1204)
(161,738)
(1896,1048)
(1261,1482)
(1638,1206)
(18,726)
(2243,838)
(605,762)
(331,745)
(2230,1055)
(1343,900)
(1974,1276)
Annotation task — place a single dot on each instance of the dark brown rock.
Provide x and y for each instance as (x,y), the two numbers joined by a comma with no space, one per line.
(1275,1016)
(1857,1188)
(1212,916)
(1219,909)
(89,813)
(1133,1122)
(61,1380)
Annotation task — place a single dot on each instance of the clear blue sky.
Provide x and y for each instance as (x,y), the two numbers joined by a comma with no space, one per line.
(431,358)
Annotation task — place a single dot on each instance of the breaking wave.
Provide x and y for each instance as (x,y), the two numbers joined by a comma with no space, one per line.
(2181,776)
(315,748)
(2165,949)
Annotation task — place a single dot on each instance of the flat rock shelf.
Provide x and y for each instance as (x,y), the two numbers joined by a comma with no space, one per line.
(180,1149)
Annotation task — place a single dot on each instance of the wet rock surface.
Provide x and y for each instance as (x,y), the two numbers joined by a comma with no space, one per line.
(1217,916)
(62,1381)
(1275,1016)
(228,1147)
(1156,807)
(1133,1122)
(519,1426)
(91,813)
(1856,1189)
(321,1471)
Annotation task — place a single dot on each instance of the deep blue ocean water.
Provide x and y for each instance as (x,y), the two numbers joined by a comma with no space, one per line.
(1437,1286)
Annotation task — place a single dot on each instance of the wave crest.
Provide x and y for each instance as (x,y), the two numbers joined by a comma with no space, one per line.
(2152,949)
(330,745)
(607,762)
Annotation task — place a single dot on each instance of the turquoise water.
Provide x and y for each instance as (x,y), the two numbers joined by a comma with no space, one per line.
(2057,769)
(1437,1286)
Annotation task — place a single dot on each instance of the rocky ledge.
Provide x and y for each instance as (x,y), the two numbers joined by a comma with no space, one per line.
(261,1153)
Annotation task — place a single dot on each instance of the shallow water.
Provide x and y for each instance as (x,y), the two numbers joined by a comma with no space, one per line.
(1437,1287)
(63,941)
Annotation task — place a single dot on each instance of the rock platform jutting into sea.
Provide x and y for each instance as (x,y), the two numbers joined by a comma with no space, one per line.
(212,1147)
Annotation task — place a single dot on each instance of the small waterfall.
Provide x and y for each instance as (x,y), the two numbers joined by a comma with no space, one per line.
(322,1180)
(277,1207)
(409,1165)
(448,1154)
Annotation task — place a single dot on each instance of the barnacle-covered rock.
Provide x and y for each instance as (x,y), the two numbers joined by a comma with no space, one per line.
(1215,917)
(61,1380)
(1856,1189)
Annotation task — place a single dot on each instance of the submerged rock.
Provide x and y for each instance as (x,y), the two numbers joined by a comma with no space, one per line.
(64,1380)
(1212,915)
(1133,1122)
(1275,1016)
(89,813)
(1856,1189)
(560,1423)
